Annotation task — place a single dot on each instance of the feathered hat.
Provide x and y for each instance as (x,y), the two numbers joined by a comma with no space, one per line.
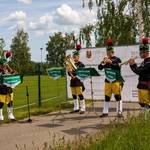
(78,47)
(109,45)
(144,46)
(77,52)
(6,57)
(8,54)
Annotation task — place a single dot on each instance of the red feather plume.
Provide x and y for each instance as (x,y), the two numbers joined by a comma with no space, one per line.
(109,42)
(8,54)
(145,40)
(78,47)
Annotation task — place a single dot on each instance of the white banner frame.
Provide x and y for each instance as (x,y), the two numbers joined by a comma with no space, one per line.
(129,92)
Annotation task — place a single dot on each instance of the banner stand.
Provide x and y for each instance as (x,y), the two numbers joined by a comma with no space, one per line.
(89,73)
(56,74)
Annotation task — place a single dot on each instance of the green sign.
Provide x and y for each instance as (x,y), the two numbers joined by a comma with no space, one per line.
(110,74)
(56,73)
(11,80)
(83,73)
(86,72)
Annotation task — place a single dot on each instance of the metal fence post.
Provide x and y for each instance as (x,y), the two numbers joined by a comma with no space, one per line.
(39,84)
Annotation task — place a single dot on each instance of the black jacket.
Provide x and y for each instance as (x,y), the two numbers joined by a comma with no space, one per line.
(115,66)
(144,73)
(76,82)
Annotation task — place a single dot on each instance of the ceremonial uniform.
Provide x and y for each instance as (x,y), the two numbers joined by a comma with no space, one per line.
(114,80)
(6,94)
(77,87)
(113,83)
(75,83)
(143,71)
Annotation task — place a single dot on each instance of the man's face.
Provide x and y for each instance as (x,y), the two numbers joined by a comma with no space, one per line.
(110,53)
(76,58)
(144,54)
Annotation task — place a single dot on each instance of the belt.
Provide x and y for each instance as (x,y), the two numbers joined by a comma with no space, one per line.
(145,82)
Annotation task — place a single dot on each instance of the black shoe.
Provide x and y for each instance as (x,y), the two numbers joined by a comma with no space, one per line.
(103,115)
(13,120)
(143,105)
(74,111)
(82,112)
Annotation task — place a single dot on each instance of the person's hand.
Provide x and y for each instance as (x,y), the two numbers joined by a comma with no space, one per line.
(108,61)
(131,61)
(70,69)
(74,77)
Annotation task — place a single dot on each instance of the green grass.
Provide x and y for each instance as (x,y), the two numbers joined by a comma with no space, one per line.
(134,134)
(48,89)
(52,90)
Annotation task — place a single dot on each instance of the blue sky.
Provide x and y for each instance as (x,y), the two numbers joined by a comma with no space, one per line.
(41,18)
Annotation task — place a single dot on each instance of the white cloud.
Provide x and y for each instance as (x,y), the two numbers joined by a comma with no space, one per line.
(33,26)
(25,1)
(61,19)
(65,15)
(58,20)
(18,25)
(16,16)
(42,24)
(16,20)
(46,19)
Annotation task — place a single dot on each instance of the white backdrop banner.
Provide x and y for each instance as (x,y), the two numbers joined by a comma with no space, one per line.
(92,57)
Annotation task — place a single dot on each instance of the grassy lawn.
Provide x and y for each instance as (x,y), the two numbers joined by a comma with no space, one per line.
(134,134)
(53,92)
(48,89)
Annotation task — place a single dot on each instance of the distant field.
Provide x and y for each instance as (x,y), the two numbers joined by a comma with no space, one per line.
(53,92)
(49,89)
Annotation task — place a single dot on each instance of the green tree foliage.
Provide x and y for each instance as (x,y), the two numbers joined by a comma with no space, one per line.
(2,45)
(57,45)
(146,16)
(85,35)
(117,25)
(119,20)
(21,52)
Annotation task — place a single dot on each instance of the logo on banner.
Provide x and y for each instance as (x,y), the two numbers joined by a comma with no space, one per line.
(88,54)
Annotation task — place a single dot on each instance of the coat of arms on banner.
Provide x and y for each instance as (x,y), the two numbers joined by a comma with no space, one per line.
(88,54)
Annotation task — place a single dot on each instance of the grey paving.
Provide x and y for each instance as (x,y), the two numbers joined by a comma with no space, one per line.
(52,127)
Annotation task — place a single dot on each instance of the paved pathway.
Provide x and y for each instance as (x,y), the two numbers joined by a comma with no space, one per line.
(45,128)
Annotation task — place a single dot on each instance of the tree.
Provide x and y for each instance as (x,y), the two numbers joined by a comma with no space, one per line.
(85,35)
(21,52)
(117,25)
(57,45)
(2,45)
(122,19)
(142,16)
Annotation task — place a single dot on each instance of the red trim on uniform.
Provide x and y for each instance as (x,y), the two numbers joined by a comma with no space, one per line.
(145,82)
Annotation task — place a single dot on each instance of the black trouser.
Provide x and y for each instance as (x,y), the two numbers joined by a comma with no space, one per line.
(81,97)
(117,98)
(10,104)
